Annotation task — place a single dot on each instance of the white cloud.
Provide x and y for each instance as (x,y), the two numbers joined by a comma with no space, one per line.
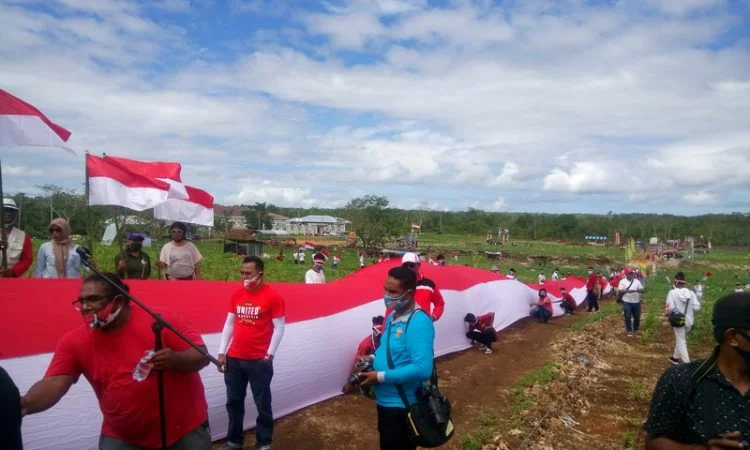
(699,198)
(683,7)
(582,177)
(497,205)
(507,176)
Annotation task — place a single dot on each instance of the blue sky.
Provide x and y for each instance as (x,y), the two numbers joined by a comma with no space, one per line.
(533,105)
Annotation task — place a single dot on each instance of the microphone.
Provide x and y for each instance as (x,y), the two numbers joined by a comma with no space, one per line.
(84,253)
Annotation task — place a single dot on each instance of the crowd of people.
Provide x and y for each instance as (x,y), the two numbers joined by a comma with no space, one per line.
(696,404)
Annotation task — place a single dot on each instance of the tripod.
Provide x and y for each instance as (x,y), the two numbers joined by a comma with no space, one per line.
(157,327)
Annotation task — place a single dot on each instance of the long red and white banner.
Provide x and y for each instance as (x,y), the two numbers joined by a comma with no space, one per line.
(324,325)
(198,208)
(23,124)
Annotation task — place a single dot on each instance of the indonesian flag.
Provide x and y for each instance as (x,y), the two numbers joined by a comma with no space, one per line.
(168,172)
(309,245)
(111,183)
(416,226)
(23,124)
(198,208)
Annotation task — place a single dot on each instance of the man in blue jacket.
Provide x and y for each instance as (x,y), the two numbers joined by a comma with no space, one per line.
(409,334)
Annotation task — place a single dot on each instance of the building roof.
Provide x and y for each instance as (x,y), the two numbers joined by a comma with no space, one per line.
(231,211)
(275,216)
(319,219)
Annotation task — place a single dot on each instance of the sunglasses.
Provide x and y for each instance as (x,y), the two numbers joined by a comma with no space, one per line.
(55,230)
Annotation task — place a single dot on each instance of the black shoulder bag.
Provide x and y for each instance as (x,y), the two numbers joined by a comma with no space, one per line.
(676,318)
(430,423)
(620,295)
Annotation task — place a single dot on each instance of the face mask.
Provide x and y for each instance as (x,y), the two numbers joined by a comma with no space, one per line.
(542,294)
(317,267)
(252,282)
(590,272)
(396,302)
(136,246)
(96,321)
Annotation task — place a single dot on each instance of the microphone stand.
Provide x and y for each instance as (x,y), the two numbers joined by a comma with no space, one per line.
(157,327)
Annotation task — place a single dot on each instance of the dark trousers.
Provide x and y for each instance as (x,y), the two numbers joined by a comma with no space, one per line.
(593,301)
(486,337)
(10,413)
(632,313)
(567,307)
(238,374)
(542,314)
(393,427)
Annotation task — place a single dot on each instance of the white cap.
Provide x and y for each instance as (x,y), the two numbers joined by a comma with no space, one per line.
(410,257)
(9,203)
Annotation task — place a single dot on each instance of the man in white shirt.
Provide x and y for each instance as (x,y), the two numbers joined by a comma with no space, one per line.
(682,300)
(629,290)
(316,275)
(301,256)
(541,277)
(511,275)
(555,275)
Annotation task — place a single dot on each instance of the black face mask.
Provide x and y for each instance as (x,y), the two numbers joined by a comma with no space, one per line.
(136,246)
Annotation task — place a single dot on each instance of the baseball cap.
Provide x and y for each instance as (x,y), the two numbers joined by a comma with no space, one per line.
(410,257)
(135,236)
(9,203)
(732,311)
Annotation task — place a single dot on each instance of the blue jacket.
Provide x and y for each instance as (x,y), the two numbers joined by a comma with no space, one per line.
(412,352)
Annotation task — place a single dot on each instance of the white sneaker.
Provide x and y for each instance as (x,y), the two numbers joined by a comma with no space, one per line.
(487,351)
(481,347)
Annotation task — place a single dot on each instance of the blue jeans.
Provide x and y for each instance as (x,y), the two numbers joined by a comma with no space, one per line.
(632,316)
(542,314)
(239,373)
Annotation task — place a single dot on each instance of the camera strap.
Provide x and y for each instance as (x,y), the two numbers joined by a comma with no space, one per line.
(391,365)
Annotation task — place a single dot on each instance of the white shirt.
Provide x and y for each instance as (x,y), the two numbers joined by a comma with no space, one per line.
(678,298)
(632,297)
(555,276)
(45,262)
(313,277)
(301,257)
(542,278)
(699,290)
(361,260)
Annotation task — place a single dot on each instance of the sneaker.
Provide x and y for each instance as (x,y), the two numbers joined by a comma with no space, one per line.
(487,351)
(264,447)
(674,361)
(481,347)
(630,334)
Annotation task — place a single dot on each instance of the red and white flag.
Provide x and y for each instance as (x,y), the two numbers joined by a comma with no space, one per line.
(169,172)
(309,245)
(23,124)
(111,183)
(198,208)
(416,226)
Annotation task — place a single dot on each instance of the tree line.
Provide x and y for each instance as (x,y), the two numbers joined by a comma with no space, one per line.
(374,218)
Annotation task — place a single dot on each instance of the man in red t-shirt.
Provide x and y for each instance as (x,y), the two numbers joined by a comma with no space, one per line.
(105,350)
(543,309)
(481,329)
(252,334)
(427,293)
(593,290)
(567,301)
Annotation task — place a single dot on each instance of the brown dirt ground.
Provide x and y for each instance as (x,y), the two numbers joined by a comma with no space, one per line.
(477,384)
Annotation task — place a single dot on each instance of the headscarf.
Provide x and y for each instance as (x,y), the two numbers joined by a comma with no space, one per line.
(61,248)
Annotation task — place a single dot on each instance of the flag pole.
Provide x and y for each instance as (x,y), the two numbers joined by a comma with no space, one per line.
(3,237)
(88,204)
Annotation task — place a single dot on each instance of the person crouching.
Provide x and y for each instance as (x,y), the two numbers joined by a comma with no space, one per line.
(543,308)
(481,330)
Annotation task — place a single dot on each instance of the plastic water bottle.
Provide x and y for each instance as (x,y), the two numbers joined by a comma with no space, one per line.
(144,366)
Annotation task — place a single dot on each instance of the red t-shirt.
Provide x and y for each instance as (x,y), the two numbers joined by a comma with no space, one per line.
(484,322)
(567,298)
(253,324)
(131,408)
(592,282)
(546,303)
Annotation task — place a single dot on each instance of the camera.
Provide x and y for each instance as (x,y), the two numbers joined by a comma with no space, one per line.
(438,406)
(362,365)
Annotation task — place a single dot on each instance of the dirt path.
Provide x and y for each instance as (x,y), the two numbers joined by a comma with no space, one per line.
(477,384)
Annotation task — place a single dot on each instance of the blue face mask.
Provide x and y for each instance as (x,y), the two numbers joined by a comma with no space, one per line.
(396,302)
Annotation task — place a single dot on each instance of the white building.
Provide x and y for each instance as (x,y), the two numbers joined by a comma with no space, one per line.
(313,225)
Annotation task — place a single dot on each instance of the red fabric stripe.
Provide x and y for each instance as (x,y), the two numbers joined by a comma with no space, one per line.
(200,197)
(36,312)
(102,167)
(149,169)
(12,105)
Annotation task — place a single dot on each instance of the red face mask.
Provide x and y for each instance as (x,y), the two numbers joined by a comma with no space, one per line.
(103,317)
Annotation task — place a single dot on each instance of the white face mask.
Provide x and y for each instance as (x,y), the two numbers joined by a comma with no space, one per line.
(252,282)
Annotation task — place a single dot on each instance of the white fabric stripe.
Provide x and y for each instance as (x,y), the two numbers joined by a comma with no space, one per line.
(325,347)
(27,130)
(427,288)
(108,191)
(185,211)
